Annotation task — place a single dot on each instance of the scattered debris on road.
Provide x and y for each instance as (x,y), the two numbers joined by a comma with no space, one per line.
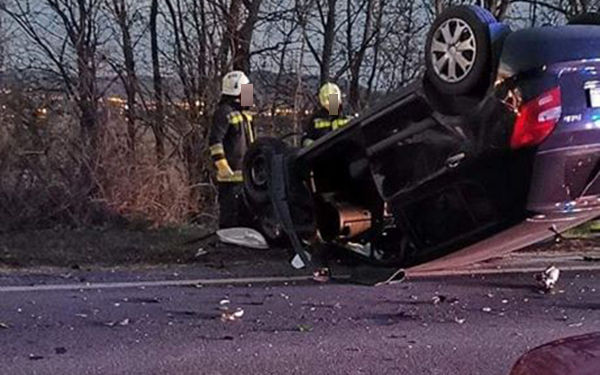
(297,263)
(201,252)
(548,278)
(60,350)
(230,316)
(322,275)
(244,237)
(123,322)
(305,328)
(438,299)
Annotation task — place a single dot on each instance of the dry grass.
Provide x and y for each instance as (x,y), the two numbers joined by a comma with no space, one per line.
(49,178)
(137,187)
(43,164)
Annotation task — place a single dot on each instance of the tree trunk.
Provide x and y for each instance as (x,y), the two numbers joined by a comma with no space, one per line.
(199,16)
(232,19)
(244,40)
(180,63)
(357,62)
(158,120)
(499,8)
(130,77)
(87,98)
(376,49)
(2,40)
(328,41)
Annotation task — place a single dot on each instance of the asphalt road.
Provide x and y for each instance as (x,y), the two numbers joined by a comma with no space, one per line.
(479,325)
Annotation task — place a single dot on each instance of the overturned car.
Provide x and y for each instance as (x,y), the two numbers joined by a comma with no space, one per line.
(495,147)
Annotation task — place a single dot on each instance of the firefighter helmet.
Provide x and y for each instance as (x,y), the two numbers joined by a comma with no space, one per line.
(326,90)
(233,81)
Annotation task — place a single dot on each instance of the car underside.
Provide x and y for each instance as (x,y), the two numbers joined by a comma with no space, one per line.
(438,167)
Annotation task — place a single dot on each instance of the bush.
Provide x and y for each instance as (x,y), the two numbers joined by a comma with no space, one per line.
(44,171)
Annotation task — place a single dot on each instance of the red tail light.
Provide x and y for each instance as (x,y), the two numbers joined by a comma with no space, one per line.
(536,119)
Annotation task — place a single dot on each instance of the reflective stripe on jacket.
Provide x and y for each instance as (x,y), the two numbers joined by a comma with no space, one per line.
(334,125)
(320,124)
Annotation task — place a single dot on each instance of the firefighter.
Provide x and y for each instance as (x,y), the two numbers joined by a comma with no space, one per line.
(322,121)
(229,137)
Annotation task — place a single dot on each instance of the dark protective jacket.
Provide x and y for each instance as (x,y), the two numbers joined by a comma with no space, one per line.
(321,123)
(230,135)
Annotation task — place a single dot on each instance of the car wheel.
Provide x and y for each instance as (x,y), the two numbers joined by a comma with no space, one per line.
(257,169)
(585,19)
(458,50)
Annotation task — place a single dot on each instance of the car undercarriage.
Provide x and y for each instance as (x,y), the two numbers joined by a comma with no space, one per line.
(441,165)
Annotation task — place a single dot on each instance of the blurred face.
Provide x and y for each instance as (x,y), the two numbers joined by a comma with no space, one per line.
(247,96)
(334,105)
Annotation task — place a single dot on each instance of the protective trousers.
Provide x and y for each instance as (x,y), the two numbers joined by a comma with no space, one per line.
(231,205)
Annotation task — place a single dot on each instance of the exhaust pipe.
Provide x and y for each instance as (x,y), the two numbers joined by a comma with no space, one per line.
(343,221)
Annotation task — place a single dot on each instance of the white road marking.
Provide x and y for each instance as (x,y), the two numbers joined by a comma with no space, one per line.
(281,279)
(492,271)
(151,284)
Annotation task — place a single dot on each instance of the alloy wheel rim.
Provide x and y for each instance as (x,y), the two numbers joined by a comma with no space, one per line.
(453,50)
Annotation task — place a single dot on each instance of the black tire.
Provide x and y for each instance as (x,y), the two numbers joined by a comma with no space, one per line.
(475,36)
(256,169)
(263,219)
(585,19)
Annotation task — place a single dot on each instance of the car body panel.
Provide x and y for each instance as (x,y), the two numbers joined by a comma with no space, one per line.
(566,170)
(576,355)
(532,48)
(523,234)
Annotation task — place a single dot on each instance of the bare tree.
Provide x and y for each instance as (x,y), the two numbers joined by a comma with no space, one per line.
(240,19)
(499,8)
(124,17)
(325,27)
(569,8)
(376,50)
(69,47)
(243,39)
(3,40)
(158,117)
(368,13)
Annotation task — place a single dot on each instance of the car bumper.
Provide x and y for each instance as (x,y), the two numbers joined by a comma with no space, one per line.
(566,180)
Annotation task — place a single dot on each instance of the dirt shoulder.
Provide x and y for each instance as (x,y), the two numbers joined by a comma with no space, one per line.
(123,248)
(84,247)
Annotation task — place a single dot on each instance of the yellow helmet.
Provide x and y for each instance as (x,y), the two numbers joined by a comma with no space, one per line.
(326,90)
